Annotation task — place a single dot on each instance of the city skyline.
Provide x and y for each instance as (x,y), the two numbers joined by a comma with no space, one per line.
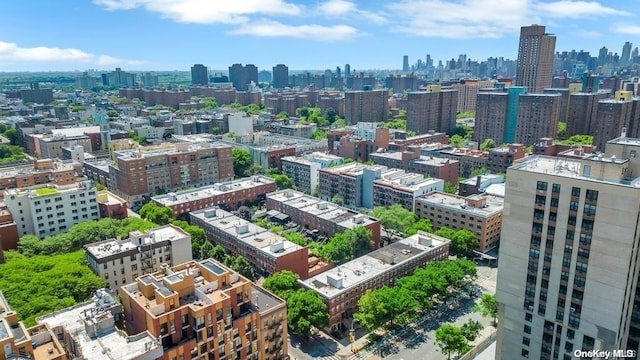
(174,35)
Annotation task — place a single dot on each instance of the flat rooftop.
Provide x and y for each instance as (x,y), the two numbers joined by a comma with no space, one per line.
(625,141)
(209,191)
(493,205)
(483,179)
(109,346)
(112,247)
(247,232)
(167,149)
(376,263)
(408,182)
(106,197)
(320,208)
(572,168)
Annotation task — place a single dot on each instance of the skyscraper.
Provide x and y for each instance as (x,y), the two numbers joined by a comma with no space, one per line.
(366,106)
(347,70)
(199,75)
(433,109)
(626,54)
(535,58)
(242,76)
(602,56)
(405,63)
(280,76)
(568,275)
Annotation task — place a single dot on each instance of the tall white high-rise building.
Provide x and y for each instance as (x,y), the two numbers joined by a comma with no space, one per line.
(569,261)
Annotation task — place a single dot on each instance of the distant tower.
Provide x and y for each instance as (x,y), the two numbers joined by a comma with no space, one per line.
(199,75)
(347,70)
(535,58)
(405,64)
(626,54)
(280,76)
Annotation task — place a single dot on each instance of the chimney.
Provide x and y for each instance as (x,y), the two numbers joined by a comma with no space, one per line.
(624,133)
(478,181)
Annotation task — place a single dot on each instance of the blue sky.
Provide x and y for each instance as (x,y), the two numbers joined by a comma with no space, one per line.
(39,35)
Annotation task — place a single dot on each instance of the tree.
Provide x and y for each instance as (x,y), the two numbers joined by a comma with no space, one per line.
(11,154)
(160,215)
(112,113)
(243,266)
(99,187)
(305,308)
(464,242)
(450,188)
(338,249)
(216,252)
(39,285)
(12,135)
(420,225)
(371,311)
(450,339)
(487,144)
(395,217)
(330,115)
(210,103)
(360,239)
(283,115)
(337,199)
(339,123)
(319,134)
(457,141)
(480,171)
(215,130)
(296,238)
(487,307)
(283,283)
(283,181)
(471,329)
(241,161)
(561,130)
(579,140)
(466,114)
(303,112)
(254,169)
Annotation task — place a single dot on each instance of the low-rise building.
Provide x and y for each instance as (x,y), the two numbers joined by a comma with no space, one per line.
(8,230)
(228,195)
(316,214)
(121,261)
(88,331)
(480,214)
(111,205)
(303,171)
(203,309)
(46,210)
(478,184)
(412,160)
(20,343)
(266,251)
(45,171)
(500,158)
(342,287)
(401,188)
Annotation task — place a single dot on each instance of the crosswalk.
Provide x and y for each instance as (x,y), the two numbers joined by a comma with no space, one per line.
(333,356)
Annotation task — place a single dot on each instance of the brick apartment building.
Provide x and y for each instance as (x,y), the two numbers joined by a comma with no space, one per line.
(205,310)
(432,110)
(412,161)
(480,214)
(366,106)
(266,251)
(315,214)
(342,287)
(400,188)
(138,174)
(45,171)
(399,144)
(111,205)
(228,195)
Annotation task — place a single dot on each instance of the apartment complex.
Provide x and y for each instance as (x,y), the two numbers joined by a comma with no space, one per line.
(366,106)
(342,287)
(614,115)
(203,309)
(582,112)
(266,251)
(44,171)
(303,171)
(398,187)
(411,160)
(89,331)
(432,110)
(228,195)
(480,214)
(51,209)
(19,342)
(280,76)
(199,75)
(538,116)
(140,173)
(243,76)
(535,58)
(468,92)
(121,261)
(570,283)
(316,214)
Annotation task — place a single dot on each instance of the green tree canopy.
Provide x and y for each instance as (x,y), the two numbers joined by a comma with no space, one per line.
(487,307)
(395,217)
(463,241)
(466,114)
(243,266)
(11,153)
(487,144)
(561,130)
(160,215)
(330,115)
(479,171)
(39,285)
(305,308)
(319,134)
(450,188)
(579,140)
(283,283)
(112,113)
(12,135)
(283,181)
(471,329)
(450,339)
(296,238)
(241,161)
(457,141)
(283,115)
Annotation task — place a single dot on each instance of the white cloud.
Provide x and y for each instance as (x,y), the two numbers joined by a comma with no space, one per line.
(206,11)
(12,52)
(267,28)
(484,19)
(627,29)
(346,8)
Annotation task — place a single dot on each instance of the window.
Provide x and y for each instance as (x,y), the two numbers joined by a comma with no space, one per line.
(588,341)
(555,188)
(525,353)
(575,191)
(573,206)
(525,341)
(541,200)
(528,317)
(571,334)
(527,329)
(554,202)
(592,195)
(542,185)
